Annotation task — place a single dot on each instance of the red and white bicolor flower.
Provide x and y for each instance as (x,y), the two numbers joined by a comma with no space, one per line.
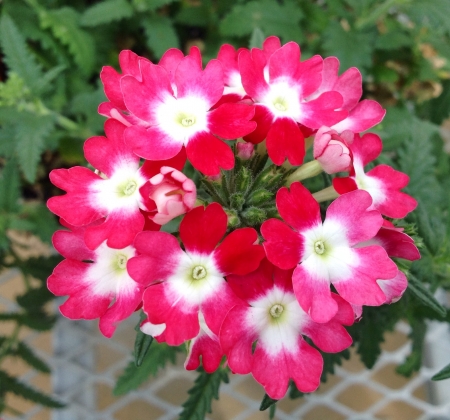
(383,183)
(327,253)
(362,115)
(116,197)
(96,281)
(181,112)
(264,334)
(279,83)
(189,286)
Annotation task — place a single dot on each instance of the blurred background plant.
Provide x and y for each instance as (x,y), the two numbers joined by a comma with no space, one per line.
(52,52)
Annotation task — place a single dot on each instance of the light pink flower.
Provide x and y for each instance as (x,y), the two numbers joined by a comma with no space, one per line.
(332,151)
(245,150)
(172,192)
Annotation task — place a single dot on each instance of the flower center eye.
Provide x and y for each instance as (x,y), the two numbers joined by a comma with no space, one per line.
(130,188)
(280,106)
(276,310)
(199,272)
(122,261)
(188,121)
(319,247)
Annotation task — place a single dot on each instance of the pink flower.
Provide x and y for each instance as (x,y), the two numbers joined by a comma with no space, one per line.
(327,253)
(187,287)
(97,282)
(180,110)
(115,198)
(332,151)
(383,183)
(279,82)
(172,192)
(245,150)
(264,334)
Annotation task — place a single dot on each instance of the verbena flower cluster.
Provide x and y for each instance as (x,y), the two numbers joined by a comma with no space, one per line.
(254,267)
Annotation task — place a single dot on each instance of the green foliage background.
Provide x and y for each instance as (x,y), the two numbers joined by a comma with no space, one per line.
(52,52)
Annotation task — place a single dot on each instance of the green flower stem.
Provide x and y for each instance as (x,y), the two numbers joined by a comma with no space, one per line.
(307,170)
(9,342)
(326,194)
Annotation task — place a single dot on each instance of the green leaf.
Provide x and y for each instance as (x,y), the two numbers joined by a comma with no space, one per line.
(256,39)
(196,15)
(50,76)
(28,356)
(352,48)
(64,23)
(419,290)
(17,56)
(206,388)
(7,140)
(444,373)
(156,359)
(330,360)
(35,298)
(150,5)
(160,33)
(431,13)
(414,361)
(40,268)
(9,187)
(30,141)
(266,403)
(142,342)
(16,387)
(43,223)
(269,16)
(393,40)
(38,320)
(105,12)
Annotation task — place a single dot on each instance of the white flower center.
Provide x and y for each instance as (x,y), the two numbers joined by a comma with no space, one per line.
(130,188)
(283,101)
(280,104)
(187,121)
(122,261)
(199,272)
(276,310)
(319,247)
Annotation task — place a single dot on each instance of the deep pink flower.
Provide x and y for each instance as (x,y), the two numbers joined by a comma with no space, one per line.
(332,150)
(115,197)
(172,192)
(264,334)
(187,287)
(327,253)
(97,282)
(183,113)
(279,82)
(383,183)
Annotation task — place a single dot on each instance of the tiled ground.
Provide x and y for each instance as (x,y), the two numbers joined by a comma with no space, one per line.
(86,366)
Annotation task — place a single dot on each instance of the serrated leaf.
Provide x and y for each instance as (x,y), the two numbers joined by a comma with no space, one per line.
(156,359)
(28,356)
(256,39)
(431,13)
(142,342)
(17,56)
(419,290)
(7,143)
(206,388)
(160,34)
(64,23)
(150,5)
(269,16)
(35,298)
(393,40)
(51,75)
(444,373)
(352,48)
(9,187)
(105,12)
(25,391)
(30,141)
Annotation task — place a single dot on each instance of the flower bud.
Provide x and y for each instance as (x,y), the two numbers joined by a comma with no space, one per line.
(245,150)
(173,193)
(331,150)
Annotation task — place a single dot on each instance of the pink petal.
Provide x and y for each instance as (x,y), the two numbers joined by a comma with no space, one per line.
(208,154)
(314,295)
(111,83)
(151,143)
(351,211)
(252,75)
(397,244)
(322,111)
(367,148)
(349,85)
(298,207)
(204,348)
(170,60)
(363,116)
(344,185)
(284,62)
(309,75)
(237,253)
(394,288)
(70,244)
(202,228)
(283,246)
(159,259)
(285,140)
(230,121)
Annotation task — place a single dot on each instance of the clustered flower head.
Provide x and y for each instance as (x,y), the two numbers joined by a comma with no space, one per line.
(196,213)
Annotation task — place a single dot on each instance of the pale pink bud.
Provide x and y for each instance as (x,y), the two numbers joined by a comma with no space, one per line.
(331,150)
(173,193)
(245,150)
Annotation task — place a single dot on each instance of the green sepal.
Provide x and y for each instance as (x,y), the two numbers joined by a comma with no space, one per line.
(254,215)
(237,200)
(142,342)
(260,196)
(243,180)
(267,402)
(442,374)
